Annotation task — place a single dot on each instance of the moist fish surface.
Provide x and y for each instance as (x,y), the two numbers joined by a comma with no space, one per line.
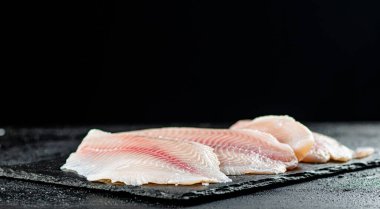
(329,149)
(323,150)
(362,152)
(239,151)
(137,160)
(319,153)
(285,129)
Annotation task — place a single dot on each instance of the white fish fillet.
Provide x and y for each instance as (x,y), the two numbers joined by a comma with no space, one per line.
(362,152)
(137,160)
(239,151)
(285,129)
(319,153)
(327,148)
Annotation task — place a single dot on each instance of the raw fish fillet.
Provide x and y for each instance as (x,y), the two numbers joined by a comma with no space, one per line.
(319,153)
(241,124)
(324,148)
(285,129)
(337,151)
(239,151)
(362,152)
(137,160)
(327,148)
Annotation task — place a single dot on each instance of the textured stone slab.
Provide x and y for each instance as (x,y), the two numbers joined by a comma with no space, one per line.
(47,171)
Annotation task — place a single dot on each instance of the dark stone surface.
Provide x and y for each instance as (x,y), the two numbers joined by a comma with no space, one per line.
(49,172)
(359,189)
(362,186)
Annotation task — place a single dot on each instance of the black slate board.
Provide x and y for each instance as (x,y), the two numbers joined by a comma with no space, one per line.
(47,171)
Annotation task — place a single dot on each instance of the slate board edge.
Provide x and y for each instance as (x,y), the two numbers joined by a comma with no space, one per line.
(211,194)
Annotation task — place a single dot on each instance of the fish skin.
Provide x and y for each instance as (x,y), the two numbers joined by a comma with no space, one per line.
(285,129)
(137,160)
(239,151)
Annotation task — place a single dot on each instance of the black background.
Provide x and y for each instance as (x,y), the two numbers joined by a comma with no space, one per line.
(91,62)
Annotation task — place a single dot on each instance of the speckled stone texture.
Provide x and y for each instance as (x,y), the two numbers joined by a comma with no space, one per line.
(349,190)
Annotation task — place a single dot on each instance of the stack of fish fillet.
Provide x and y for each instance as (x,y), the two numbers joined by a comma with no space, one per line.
(184,156)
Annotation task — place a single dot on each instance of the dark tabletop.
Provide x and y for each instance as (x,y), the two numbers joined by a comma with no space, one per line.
(359,189)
